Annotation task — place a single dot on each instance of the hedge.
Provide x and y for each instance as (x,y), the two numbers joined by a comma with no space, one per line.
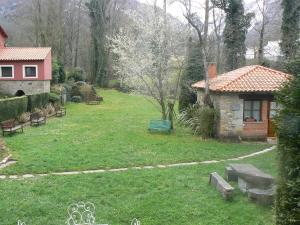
(37,101)
(13,107)
(288,130)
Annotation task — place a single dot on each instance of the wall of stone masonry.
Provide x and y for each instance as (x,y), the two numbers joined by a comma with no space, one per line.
(231,124)
(28,87)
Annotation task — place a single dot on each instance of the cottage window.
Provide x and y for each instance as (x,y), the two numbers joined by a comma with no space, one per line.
(30,71)
(252,111)
(7,71)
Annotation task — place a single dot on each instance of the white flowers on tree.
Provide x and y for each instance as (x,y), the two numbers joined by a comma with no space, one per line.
(142,57)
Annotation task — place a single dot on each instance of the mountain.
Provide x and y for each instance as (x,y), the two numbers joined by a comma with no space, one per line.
(272,29)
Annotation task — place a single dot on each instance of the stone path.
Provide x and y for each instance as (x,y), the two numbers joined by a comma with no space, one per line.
(26,176)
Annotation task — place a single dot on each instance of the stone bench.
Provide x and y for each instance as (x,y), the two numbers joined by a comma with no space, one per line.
(250,177)
(262,197)
(222,186)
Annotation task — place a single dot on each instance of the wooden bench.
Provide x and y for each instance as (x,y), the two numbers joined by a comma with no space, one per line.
(94,100)
(11,127)
(222,186)
(36,119)
(60,111)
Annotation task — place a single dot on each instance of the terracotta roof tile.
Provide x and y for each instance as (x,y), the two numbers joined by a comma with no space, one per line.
(247,79)
(18,54)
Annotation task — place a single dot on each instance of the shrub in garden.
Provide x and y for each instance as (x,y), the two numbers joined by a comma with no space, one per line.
(12,107)
(76,99)
(58,72)
(84,90)
(76,74)
(288,131)
(54,98)
(24,117)
(37,101)
(50,110)
(201,119)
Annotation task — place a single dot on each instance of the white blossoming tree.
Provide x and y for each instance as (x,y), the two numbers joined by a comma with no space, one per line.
(146,58)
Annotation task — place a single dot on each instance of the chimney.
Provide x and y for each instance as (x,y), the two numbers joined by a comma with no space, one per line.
(212,70)
(3,37)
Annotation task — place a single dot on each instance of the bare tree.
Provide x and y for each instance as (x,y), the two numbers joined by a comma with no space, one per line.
(263,9)
(218,22)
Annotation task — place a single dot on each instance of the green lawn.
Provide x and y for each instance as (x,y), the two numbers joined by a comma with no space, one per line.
(111,135)
(114,135)
(160,196)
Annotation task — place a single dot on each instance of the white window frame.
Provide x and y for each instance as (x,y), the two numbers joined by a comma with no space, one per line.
(36,68)
(13,72)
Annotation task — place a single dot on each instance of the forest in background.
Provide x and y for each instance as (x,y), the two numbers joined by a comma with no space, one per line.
(66,27)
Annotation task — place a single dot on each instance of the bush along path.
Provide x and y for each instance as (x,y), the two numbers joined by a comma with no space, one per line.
(25,176)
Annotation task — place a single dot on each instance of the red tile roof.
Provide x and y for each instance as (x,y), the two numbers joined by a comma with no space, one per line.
(247,79)
(19,54)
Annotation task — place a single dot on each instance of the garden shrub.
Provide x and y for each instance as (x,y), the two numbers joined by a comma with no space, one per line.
(24,117)
(76,74)
(50,109)
(84,90)
(37,101)
(12,107)
(76,99)
(201,119)
(288,131)
(54,98)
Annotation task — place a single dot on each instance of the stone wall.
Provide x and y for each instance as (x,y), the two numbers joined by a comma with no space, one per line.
(28,87)
(230,108)
(231,115)
(231,125)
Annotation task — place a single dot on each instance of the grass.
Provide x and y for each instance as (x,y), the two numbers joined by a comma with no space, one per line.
(111,135)
(159,196)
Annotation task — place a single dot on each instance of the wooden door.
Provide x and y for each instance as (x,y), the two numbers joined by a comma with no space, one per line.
(273,107)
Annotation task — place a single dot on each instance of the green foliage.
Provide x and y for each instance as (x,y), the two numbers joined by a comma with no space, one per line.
(84,90)
(12,107)
(76,74)
(201,119)
(293,65)
(290,28)
(58,72)
(76,99)
(37,101)
(288,122)
(54,98)
(193,72)
(235,31)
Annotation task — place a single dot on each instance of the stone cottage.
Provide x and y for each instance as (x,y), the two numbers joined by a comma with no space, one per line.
(244,99)
(24,71)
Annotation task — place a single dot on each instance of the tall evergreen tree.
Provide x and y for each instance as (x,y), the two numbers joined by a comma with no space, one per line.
(290,28)
(288,191)
(235,31)
(97,11)
(105,20)
(193,72)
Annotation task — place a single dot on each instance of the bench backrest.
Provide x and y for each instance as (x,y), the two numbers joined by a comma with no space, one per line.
(8,123)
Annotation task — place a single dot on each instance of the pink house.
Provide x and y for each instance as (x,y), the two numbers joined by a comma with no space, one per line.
(24,71)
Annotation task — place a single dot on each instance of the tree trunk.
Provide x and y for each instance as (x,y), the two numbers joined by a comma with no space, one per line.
(77,34)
